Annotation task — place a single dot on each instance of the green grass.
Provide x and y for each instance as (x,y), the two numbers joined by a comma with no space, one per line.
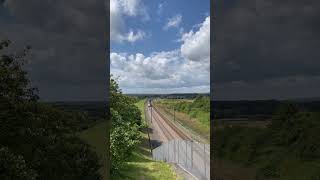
(97,137)
(141,166)
(140,105)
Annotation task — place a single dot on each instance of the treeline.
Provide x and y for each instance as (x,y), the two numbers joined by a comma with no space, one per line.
(37,141)
(198,108)
(262,108)
(199,103)
(289,148)
(170,96)
(124,133)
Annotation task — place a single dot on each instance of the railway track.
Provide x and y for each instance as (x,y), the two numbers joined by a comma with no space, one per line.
(181,134)
(177,131)
(168,135)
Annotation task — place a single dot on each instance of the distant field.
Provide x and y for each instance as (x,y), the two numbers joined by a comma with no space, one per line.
(98,138)
(220,123)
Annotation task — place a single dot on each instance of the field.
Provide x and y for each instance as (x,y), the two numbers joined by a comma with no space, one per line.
(97,137)
(284,147)
(191,115)
(141,165)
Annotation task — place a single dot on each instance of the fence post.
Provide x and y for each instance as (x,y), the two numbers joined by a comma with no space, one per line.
(178,149)
(162,152)
(168,155)
(191,154)
(204,160)
(174,114)
(174,151)
(186,153)
(151,113)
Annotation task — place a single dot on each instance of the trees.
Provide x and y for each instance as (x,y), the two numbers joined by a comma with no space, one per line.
(124,134)
(293,136)
(37,141)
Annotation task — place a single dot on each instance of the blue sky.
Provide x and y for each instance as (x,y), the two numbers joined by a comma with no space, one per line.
(160,46)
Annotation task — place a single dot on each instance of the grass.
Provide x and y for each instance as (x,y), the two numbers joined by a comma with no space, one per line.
(97,137)
(228,170)
(141,166)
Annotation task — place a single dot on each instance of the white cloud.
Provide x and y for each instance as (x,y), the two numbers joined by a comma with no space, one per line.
(120,9)
(165,70)
(182,70)
(160,8)
(132,37)
(196,45)
(174,21)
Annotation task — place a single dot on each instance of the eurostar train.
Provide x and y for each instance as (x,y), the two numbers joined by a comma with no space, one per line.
(149,103)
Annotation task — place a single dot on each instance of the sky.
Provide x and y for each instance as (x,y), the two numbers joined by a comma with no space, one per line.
(68,55)
(262,49)
(266,49)
(160,46)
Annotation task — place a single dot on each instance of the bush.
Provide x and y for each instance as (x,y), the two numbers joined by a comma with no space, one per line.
(14,167)
(126,122)
(39,138)
(293,134)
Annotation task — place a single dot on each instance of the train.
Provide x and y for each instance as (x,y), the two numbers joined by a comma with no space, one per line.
(149,103)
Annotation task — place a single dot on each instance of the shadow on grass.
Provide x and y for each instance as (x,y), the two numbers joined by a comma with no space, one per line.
(131,171)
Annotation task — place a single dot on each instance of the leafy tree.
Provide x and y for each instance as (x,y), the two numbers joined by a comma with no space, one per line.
(126,120)
(14,83)
(14,166)
(39,139)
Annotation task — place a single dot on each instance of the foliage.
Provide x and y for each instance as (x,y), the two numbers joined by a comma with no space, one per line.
(293,135)
(14,83)
(39,138)
(126,121)
(14,166)
(199,108)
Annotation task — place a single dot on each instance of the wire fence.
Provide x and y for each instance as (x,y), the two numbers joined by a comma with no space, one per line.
(192,156)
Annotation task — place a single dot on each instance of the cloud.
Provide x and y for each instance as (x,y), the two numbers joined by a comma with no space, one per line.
(167,71)
(68,51)
(119,9)
(196,45)
(132,37)
(174,21)
(263,41)
(160,8)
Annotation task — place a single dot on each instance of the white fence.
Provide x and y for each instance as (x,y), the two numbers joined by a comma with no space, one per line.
(192,156)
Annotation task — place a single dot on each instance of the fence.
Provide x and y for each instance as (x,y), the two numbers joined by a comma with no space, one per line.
(192,156)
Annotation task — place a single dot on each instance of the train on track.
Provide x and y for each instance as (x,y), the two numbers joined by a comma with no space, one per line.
(149,103)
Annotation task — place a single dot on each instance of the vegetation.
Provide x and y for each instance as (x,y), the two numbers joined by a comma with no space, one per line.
(37,141)
(140,165)
(125,125)
(194,114)
(289,148)
(96,137)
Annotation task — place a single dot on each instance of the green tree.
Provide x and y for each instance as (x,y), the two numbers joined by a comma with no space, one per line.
(124,134)
(39,139)
(14,167)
